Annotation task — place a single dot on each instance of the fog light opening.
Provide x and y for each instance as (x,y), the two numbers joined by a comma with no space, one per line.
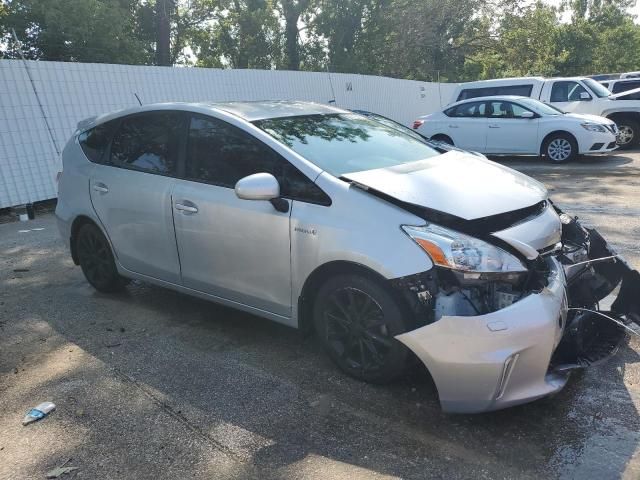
(506,373)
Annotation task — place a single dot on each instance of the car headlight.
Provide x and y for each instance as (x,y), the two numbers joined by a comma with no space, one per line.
(458,251)
(593,127)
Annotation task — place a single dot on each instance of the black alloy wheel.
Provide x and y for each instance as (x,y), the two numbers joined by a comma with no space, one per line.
(96,260)
(357,321)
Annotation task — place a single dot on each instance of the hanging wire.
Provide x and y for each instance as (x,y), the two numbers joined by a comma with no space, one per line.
(614,320)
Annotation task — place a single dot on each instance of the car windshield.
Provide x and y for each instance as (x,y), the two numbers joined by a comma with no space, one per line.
(539,107)
(346,142)
(395,125)
(597,88)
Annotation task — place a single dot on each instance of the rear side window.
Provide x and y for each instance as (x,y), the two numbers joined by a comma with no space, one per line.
(222,154)
(94,142)
(521,90)
(624,86)
(148,143)
(473,109)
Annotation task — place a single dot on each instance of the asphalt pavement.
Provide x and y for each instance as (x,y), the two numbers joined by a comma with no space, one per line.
(154,384)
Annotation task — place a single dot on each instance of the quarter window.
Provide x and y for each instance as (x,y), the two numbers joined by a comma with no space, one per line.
(222,154)
(567,91)
(94,142)
(148,142)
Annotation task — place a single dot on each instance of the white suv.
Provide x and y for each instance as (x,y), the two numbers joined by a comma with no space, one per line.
(518,126)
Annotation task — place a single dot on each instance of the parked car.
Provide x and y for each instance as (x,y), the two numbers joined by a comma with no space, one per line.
(323,219)
(442,147)
(629,85)
(630,75)
(518,126)
(573,95)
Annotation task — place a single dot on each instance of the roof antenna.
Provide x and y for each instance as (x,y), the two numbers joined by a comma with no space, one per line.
(138,98)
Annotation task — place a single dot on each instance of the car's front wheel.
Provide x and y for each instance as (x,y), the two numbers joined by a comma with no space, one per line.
(628,134)
(356,320)
(560,147)
(96,260)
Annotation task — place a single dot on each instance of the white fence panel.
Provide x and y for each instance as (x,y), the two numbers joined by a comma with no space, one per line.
(70,92)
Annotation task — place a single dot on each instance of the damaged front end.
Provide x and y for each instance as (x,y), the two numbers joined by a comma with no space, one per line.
(593,270)
(491,340)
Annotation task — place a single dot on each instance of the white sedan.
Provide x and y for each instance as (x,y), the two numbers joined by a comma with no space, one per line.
(514,125)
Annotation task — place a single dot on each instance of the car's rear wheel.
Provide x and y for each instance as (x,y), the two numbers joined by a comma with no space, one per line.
(443,139)
(356,320)
(560,148)
(96,260)
(628,134)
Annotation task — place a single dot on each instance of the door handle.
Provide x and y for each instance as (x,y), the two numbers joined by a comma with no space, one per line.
(101,187)
(453,126)
(186,208)
(494,126)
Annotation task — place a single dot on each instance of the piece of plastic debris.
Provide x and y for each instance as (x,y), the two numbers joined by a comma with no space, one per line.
(59,471)
(38,413)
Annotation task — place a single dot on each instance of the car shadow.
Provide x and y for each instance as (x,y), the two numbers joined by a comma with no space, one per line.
(269,398)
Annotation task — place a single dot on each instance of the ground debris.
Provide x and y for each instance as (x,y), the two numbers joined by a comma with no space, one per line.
(61,470)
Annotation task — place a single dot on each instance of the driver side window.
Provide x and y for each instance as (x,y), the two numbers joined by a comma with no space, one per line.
(221,154)
(567,91)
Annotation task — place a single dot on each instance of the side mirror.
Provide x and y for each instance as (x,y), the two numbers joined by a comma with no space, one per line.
(585,96)
(259,186)
(527,115)
(262,186)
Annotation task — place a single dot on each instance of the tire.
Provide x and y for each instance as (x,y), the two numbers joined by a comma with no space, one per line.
(560,148)
(629,134)
(356,321)
(96,260)
(443,139)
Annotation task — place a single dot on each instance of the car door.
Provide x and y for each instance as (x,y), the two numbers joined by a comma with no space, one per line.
(570,96)
(235,249)
(131,193)
(466,125)
(508,131)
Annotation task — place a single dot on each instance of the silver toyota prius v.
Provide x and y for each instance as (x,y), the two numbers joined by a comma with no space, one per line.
(326,220)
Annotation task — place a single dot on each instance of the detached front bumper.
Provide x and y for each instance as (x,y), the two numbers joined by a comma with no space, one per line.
(492,361)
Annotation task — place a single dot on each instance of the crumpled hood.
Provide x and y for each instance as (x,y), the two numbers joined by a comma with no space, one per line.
(456,183)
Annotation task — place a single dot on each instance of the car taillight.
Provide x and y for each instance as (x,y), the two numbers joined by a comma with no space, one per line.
(417,124)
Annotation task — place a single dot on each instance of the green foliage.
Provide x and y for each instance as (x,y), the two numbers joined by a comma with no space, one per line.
(453,40)
(74,30)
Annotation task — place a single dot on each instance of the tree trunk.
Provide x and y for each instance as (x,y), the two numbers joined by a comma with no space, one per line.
(291,39)
(163,32)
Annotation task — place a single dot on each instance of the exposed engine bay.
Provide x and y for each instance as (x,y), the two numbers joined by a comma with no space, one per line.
(592,271)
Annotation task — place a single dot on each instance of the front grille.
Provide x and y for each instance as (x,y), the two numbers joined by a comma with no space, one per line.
(596,146)
(612,145)
(502,221)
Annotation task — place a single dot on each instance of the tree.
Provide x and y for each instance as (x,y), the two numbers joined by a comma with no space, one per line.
(239,34)
(292,11)
(73,30)
(164,10)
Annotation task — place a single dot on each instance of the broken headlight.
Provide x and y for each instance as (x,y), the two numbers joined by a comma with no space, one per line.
(457,251)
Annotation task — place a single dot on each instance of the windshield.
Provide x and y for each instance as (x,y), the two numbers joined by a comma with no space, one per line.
(345,142)
(539,107)
(597,88)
